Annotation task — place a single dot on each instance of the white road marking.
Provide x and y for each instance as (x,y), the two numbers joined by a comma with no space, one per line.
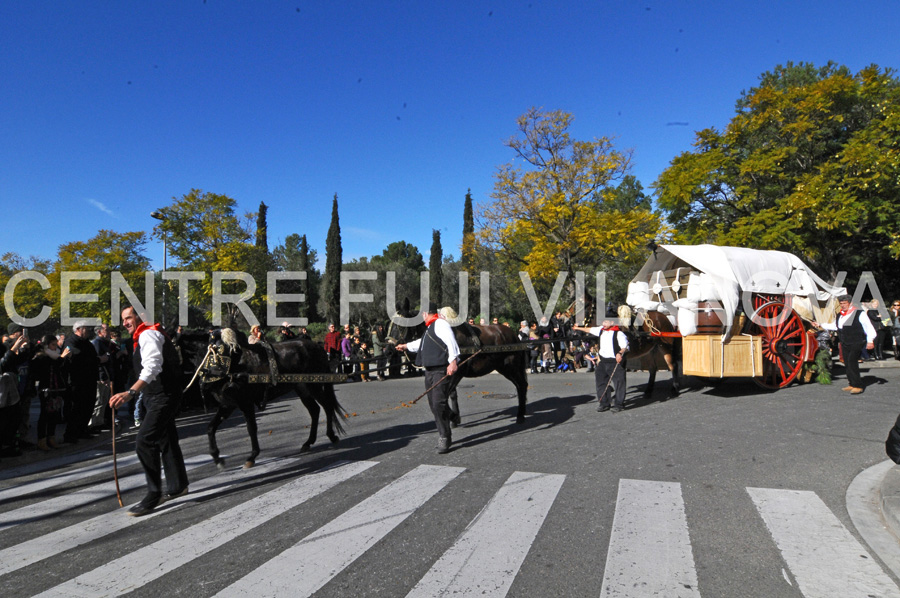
(823,556)
(649,549)
(57,542)
(142,566)
(485,559)
(54,506)
(59,479)
(311,563)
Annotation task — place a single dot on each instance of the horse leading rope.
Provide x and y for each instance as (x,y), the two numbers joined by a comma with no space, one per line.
(438,383)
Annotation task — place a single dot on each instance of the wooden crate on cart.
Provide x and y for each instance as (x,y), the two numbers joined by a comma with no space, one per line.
(705,355)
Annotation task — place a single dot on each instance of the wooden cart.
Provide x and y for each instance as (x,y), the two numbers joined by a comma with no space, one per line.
(739,312)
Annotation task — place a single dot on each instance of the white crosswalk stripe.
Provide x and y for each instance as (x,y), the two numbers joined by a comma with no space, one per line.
(52,481)
(54,506)
(306,567)
(824,557)
(486,559)
(48,545)
(649,551)
(157,559)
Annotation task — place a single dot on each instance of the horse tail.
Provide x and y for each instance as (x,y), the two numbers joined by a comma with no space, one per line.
(331,402)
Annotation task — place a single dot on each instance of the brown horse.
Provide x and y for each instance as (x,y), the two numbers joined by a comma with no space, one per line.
(478,359)
(651,339)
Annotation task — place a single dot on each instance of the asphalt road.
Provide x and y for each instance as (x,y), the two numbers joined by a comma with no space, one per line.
(698,457)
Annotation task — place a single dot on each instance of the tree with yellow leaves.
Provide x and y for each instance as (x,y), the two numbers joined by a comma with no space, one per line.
(559,211)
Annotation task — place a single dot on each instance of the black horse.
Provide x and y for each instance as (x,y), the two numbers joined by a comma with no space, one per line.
(511,364)
(232,390)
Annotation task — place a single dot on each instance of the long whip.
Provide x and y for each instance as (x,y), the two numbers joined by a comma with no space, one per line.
(436,384)
(115,465)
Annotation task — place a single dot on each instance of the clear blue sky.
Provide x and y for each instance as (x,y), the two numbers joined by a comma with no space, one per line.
(109,109)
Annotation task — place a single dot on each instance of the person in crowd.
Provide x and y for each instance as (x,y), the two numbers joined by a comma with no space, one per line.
(361,353)
(285,333)
(534,351)
(378,346)
(347,350)
(333,348)
(613,345)
(49,378)
(855,332)
(256,334)
(15,353)
(881,330)
(524,330)
(437,352)
(83,366)
(548,365)
(22,359)
(104,349)
(158,376)
(895,326)
(304,334)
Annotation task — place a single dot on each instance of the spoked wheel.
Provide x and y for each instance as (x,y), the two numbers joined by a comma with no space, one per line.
(784,343)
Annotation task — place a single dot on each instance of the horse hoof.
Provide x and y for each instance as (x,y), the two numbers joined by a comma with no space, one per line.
(249,464)
(220,465)
(304,448)
(453,424)
(333,439)
(520,420)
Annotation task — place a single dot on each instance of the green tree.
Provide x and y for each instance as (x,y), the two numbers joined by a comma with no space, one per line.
(809,163)
(468,236)
(436,280)
(106,252)
(331,281)
(296,256)
(552,216)
(29,298)
(262,227)
(204,234)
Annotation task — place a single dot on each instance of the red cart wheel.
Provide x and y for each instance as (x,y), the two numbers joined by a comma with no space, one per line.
(784,343)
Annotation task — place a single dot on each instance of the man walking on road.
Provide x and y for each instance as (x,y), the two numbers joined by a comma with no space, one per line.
(855,331)
(610,369)
(437,352)
(155,364)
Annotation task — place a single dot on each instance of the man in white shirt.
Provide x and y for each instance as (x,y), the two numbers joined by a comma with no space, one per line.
(437,352)
(610,369)
(855,331)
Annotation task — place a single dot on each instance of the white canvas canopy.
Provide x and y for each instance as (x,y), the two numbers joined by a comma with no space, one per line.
(729,271)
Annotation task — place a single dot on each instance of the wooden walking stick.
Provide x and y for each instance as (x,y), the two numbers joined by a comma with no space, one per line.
(115,466)
(461,363)
(611,374)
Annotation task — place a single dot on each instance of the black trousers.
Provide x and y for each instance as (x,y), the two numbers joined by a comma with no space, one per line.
(851,355)
(606,369)
(438,401)
(80,408)
(157,444)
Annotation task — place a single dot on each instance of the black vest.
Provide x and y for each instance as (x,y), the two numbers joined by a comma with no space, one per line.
(852,332)
(169,379)
(433,352)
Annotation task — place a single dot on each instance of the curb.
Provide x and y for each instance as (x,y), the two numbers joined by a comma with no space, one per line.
(890,500)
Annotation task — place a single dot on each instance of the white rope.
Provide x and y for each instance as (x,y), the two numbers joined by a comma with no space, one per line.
(199,367)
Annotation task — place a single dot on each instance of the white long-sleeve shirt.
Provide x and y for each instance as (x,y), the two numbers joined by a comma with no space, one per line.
(607,349)
(151,344)
(443,331)
(863,319)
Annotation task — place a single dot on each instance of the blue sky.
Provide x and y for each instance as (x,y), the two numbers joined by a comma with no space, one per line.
(112,108)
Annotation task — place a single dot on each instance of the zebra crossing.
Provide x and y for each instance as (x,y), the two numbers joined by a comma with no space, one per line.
(649,550)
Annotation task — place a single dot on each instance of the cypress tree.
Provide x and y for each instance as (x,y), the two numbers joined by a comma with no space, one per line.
(436,282)
(468,236)
(262,236)
(331,283)
(308,309)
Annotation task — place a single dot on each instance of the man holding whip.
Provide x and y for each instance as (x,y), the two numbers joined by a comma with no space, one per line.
(610,369)
(437,352)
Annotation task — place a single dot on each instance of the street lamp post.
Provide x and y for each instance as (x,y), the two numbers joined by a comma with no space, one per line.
(162,217)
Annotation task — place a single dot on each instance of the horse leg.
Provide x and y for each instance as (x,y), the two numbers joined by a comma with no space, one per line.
(221,415)
(313,408)
(453,403)
(515,373)
(675,390)
(651,382)
(249,411)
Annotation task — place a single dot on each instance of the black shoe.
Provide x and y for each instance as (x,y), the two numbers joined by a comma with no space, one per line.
(603,408)
(616,409)
(173,495)
(443,446)
(144,507)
